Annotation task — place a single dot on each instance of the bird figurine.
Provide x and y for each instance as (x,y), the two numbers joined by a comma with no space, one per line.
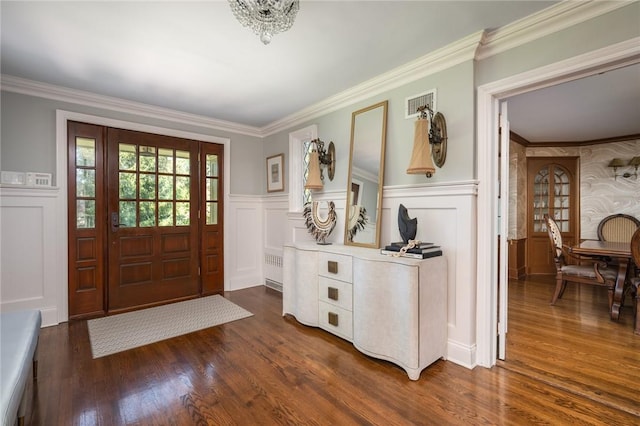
(407,227)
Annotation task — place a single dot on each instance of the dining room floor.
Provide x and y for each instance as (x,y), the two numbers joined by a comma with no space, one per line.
(574,345)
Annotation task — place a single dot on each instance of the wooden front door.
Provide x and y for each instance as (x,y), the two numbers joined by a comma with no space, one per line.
(153,218)
(552,188)
(139,234)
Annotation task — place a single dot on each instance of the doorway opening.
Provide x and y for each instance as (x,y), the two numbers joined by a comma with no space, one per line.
(489,165)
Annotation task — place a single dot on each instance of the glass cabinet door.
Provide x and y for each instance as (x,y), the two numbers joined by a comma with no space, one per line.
(551,195)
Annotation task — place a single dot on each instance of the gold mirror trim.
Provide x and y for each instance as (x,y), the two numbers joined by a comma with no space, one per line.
(351,230)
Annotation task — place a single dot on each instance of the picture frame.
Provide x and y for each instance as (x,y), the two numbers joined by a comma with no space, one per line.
(275,173)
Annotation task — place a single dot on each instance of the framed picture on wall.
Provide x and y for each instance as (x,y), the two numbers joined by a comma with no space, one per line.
(275,173)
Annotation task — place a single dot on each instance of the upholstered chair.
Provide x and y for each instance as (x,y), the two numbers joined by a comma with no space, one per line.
(585,270)
(617,227)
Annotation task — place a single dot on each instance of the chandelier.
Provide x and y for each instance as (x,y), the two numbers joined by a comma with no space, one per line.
(265,17)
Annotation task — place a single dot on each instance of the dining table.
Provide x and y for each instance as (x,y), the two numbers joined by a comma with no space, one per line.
(614,250)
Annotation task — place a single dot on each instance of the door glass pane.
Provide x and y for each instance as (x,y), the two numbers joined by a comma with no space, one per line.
(182,162)
(182,214)
(127,156)
(562,195)
(212,189)
(212,213)
(85,152)
(212,165)
(165,160)
(165,213)
(85,213)
(147,158)
(540,200)
(127,186)
(165,187)
(127,213)
(85,182)
(147,186)
(147,213)
(182,188)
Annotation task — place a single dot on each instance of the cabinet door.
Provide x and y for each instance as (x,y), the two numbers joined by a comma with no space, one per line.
(553,190)
(300,285)
(385,311)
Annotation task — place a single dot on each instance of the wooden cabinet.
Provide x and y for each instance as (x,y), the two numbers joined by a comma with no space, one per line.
(389,308)
(552,189)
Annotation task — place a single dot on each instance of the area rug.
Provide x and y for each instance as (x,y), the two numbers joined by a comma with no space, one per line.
(117,333)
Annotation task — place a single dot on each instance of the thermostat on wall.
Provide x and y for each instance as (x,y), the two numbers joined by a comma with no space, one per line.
(13,178)
(38,179)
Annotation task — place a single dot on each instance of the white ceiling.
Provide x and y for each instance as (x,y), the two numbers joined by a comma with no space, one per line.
(196,58)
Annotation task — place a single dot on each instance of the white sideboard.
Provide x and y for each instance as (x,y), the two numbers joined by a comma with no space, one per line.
(389,308)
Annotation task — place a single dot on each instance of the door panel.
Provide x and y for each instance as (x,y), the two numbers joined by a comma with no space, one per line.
(153,206)
(86,219)
(212,208)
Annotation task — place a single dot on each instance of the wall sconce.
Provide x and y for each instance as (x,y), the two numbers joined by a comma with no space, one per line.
(422,161)
(618,162)
(320,157)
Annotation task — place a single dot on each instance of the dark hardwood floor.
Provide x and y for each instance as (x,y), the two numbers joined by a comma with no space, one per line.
(271,370)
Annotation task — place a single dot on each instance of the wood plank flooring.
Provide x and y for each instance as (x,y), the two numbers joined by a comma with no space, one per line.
(270,370)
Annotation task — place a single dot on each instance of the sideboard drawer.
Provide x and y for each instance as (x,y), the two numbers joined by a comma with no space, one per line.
(336,320)
(334,292)
(336,266)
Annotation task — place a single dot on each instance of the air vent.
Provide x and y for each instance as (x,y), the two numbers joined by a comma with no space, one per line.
(273,285)
(412,103)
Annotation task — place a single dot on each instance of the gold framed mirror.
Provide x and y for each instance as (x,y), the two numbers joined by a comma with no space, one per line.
(366,176)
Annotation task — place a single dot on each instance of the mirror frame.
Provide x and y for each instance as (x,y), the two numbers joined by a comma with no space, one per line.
(383,142)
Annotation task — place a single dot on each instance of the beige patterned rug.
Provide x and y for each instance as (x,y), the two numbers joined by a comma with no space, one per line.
(120,332)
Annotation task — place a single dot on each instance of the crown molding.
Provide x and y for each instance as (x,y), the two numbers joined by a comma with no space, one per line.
(49,91)
(438,60)
(479,45)
(550,20)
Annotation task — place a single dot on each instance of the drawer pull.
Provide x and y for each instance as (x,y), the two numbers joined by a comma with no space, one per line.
(333,319)
(332,266)
(332,293)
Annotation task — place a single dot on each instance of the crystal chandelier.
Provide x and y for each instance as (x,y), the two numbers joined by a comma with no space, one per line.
(265,17)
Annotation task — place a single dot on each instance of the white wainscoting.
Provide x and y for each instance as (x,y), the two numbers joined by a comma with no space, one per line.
(244,249)
(31,266)
(446,215)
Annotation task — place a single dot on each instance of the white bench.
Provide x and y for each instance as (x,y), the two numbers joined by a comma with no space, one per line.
(19,333)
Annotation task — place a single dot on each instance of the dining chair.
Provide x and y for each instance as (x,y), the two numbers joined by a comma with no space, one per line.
(617,227)
(586,270)
(635,281)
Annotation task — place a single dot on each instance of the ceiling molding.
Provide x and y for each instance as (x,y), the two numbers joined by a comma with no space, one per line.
(548,21)
(527,143)
(63,94)
(455,53)
(514,137)
(479,45)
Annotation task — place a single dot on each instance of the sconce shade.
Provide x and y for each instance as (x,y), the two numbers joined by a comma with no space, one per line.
(313,178)
(421,162)
(617,162)
(635,161)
